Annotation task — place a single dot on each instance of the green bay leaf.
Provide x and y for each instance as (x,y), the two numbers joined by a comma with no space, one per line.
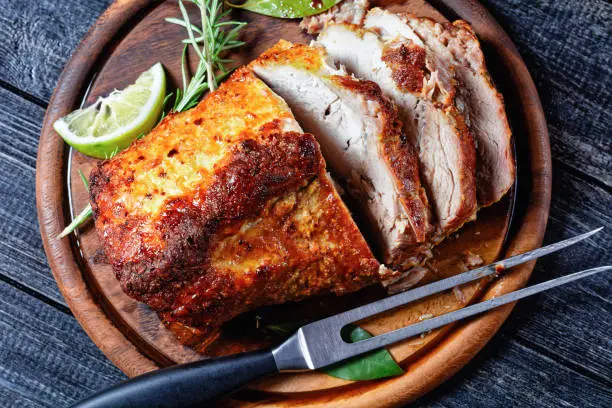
(370,366)
(286,8)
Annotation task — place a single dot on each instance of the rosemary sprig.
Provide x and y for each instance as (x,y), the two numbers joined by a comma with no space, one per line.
(216,35)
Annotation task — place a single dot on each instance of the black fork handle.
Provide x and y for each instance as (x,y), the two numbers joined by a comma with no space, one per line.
(195,384)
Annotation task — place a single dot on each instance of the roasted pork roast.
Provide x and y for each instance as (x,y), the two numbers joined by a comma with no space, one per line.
(229,206)
(455,51)
(225,208)
(361,138)
(445,147)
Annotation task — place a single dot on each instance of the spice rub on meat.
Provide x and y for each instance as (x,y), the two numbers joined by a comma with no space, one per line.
(362,140)
(225,208)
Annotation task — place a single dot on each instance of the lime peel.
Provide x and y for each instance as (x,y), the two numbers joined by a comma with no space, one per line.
(112,123)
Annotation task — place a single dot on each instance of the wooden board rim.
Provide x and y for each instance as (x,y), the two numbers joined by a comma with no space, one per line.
(442,362)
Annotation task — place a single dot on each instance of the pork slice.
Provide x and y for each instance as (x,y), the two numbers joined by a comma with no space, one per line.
(457,51)
(347,11)
(361,139)
(445,147)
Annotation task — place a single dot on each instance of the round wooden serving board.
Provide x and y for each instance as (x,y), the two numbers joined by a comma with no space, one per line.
(130,37)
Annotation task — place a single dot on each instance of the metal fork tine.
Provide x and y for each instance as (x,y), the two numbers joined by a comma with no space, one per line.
(340,320)
(319,344)
(437,322)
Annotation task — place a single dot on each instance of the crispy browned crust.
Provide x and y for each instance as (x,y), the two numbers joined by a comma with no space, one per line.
(264,225)
(254,173)
(407,64)
(401,156)
(307,267)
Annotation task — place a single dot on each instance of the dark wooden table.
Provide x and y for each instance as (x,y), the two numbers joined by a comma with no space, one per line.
(556,348)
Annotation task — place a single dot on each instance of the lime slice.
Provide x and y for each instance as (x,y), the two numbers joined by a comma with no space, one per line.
(111,124)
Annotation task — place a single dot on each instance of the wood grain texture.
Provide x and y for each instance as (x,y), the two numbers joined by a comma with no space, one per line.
(37,39)
(532,25)
(22,257)
(46,358)
(566,44)
(509,374)
(572,324)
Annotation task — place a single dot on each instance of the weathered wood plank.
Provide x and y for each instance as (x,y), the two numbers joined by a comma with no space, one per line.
(10,398)
(566,46)
(22,257)
(45,357)
(572,323)
(549,321)
(38,38)
(46,360)
(508,374)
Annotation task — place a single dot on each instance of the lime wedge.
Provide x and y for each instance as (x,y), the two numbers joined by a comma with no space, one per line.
(112,123)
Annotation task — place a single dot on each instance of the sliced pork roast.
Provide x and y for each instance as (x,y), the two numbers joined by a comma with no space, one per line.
(445,146)
(225,208)
(456,51)
(347,11)
(361,138)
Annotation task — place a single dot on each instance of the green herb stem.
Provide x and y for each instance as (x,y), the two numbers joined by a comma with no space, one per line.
(84,180)
(77,221)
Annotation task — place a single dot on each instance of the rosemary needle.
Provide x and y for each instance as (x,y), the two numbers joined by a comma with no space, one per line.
(77,221)
(84,180)
(216,35)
